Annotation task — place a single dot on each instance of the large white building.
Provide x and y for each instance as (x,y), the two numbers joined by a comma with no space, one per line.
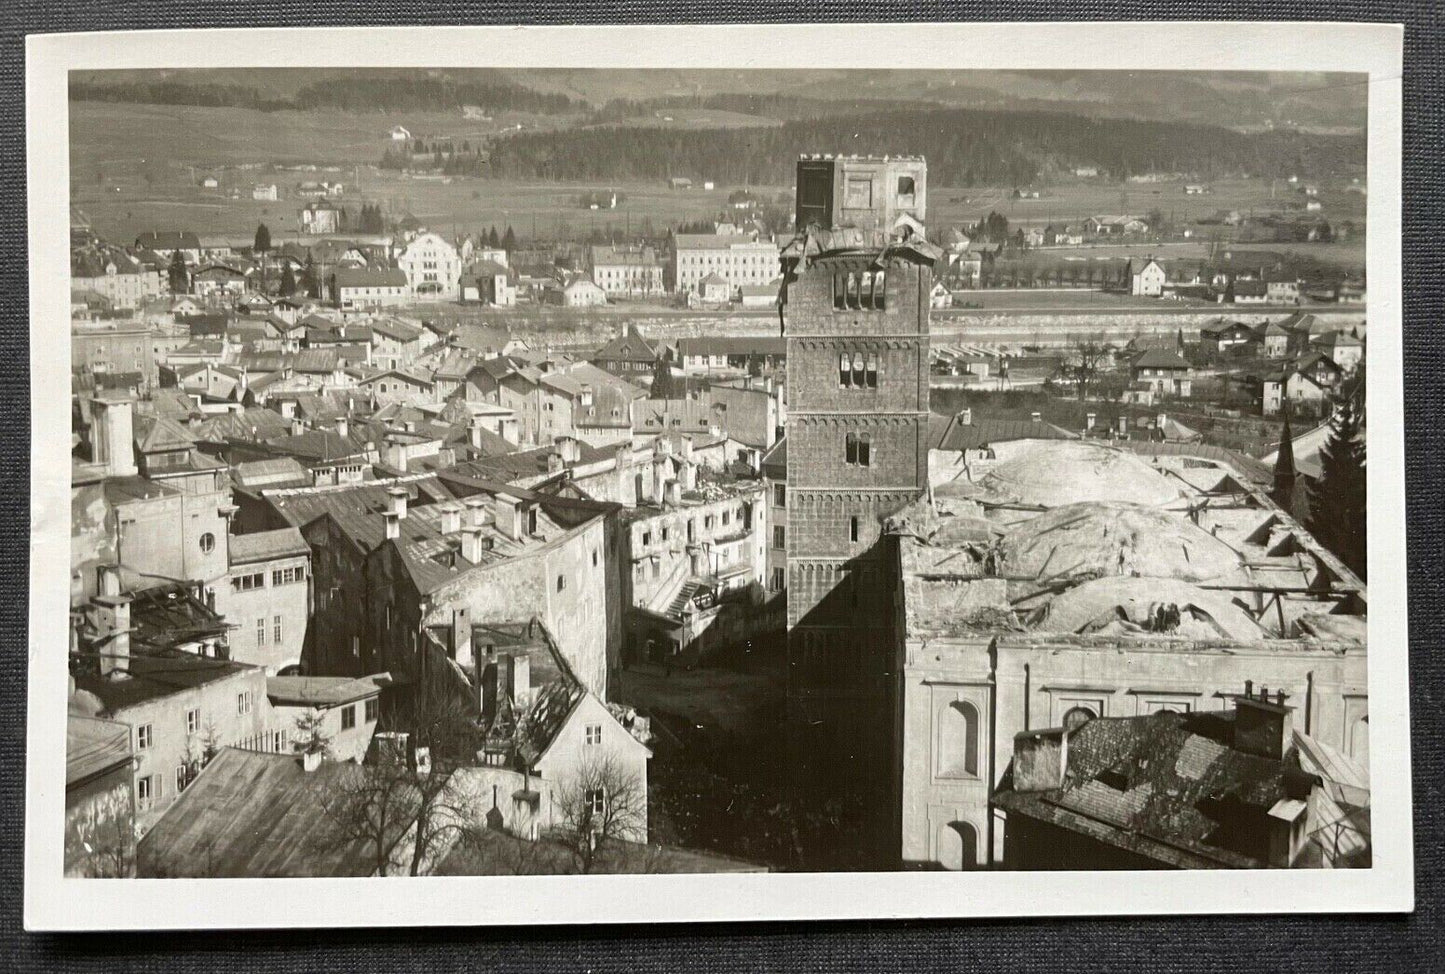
(432,266)
(738,259)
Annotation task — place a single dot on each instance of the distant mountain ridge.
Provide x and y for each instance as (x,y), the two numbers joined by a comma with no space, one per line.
(1237,100)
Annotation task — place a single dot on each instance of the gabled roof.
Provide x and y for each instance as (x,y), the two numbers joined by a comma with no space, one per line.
(324,691)
(156,434)
(1160,358)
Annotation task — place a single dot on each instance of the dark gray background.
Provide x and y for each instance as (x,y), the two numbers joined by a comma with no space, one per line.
(1309,943)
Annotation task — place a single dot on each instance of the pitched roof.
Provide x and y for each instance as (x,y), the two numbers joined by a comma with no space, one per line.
(154,434)
(263,815)
(1167,786)
(1160,358)
(266,545)
(156,675)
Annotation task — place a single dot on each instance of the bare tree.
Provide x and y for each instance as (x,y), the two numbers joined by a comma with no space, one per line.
(600,806)
(1084,359)
(373,806)
(410,786)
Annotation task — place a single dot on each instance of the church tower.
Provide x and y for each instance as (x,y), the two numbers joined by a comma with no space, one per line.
(855,311)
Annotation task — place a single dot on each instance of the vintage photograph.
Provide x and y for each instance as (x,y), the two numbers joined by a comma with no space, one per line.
(561,471)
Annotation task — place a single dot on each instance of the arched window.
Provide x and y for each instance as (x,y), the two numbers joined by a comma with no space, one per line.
(844,370)
(958,740)
(857,370)
(1360,741)
(865,449)
(865,290)
(850,448)
(957,846)
(878,290)
(871,371)
(852,290)
(208,543)
(1076,717)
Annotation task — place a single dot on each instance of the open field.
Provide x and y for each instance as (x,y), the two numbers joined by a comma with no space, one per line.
(125,186)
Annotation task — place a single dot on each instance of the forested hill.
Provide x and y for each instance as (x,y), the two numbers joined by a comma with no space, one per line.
(397,93)
(963,147)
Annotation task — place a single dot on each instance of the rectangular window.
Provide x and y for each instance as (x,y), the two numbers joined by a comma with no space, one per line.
(276,630)
(261,632)
(780,495)
(193,720)
(780,536)
(143,737)
(561,582)
(243,703)
(356,646)
(858,192)
(596,799)
(780,579)
(594,734)
(143,791)
(288,576)
(245,583)
(726,516)
(373,709)
(646,538)
(348,717)
(853,529)
(180,778)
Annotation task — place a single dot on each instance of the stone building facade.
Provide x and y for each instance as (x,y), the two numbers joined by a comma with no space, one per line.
(856,315)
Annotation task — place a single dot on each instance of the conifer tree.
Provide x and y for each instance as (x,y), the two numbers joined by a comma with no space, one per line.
(1337,500)
(177,275)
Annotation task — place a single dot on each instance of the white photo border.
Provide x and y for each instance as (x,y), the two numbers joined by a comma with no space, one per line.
(56,903)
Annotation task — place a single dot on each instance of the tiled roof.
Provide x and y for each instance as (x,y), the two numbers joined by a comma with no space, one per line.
(981,432)
(1160,358)
(93,745)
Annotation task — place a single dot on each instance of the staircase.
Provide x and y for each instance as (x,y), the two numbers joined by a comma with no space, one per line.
(682,598)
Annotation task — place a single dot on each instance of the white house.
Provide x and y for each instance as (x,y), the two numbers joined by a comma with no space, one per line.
(432,266)
(1148,280)
(400,134)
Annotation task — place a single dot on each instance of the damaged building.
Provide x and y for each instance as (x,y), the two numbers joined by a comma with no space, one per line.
(1050,584)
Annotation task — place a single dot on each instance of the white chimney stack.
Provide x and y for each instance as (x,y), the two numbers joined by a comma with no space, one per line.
(965,416)
(343,427)
(1089,419)
(1036,417)
(507,512)
(113,622)
(393,525)
(451,520)
(476,510)
(397,502)
(473,543)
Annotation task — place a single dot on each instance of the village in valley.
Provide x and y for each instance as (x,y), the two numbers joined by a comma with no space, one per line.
(445,502)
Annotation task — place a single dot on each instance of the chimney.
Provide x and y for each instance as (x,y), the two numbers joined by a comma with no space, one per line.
(519,678)
(1089,419)
(288,409)
(474,433)
(586,395)
(689,476)
(1263,725)
(397,498)
(343,427)
(474,542)
(310,761)
(113,622)
(393,525)
(476,510)
(451,519)
(555,465)
(1041,759)
(296,428)
(507,512)
(1036,417)
(1123,425)
(965,416)
(570,449)
(112,434)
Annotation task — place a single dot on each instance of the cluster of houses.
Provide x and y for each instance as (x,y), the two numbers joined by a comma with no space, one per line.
(1158,278)
(241,476)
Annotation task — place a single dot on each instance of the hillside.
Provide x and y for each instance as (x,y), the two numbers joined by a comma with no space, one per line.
(1238,100)
(964,148)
